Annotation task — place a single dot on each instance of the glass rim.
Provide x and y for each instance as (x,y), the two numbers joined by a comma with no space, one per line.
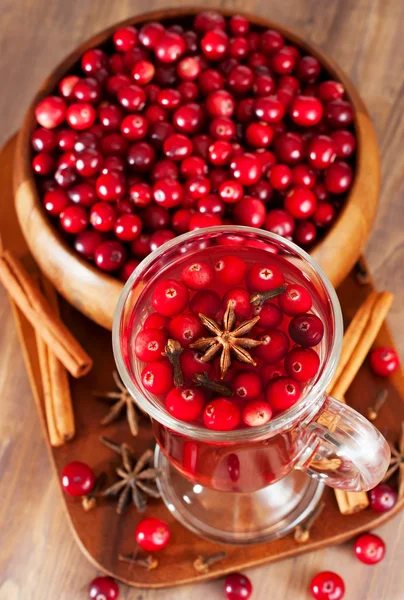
(280,423)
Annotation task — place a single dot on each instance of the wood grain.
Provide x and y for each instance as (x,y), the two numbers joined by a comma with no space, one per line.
(365,38)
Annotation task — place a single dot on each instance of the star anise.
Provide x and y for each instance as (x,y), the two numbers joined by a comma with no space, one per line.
(137,478)
(121,400)
(227,339)
(397,462)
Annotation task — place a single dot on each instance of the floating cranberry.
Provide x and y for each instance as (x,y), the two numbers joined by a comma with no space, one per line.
(103,588)
(221,414)
(150,344)
(152,534)
(384,361)
(156,321)
(237,586)
(282,393)
(296,299)
(197,275)
(157,378)
(382,498)
(302,364)
(230,270)
(262,278)
(270,315)
(256,413)
(185,403)
(369,548)
(306,330)
(77,479)
(247,385)
(240,299)
(274,346)
(169,297)
(206,302)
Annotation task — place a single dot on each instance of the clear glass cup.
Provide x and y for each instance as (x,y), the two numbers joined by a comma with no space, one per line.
(252,469)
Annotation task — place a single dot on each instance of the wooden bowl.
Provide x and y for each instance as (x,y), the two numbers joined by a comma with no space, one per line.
(95,293)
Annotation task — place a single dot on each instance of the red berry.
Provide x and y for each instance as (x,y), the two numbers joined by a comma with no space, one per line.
(152,534)
(327,586)
(207,20)
(382,498)
(339,114)
(158,238)
(256,413)
(157,378)
(308,69)
(103,216)
(186,329)
(304,176)
(211,205)
(87,242)
(338,177)
(44,140)
(77,479)
(344,143)
(302,364)
(128,227)
(240,299)
(270,42)
(94,60)
(280,177)
(239,25)
(231,191)
(50,112)
(170,47)
(74,219)
(66,86)
(306,330)
(220,152)
(321,151)
(289,148)
(215,44)
(206,302)
(282,393)
(262,278)
(246,169)
(127,269)
(270,315)
(324,214)
(296,299)
(141,246)
(200,221)
(384,361)
(305,233)
(110,186)
(125,38)
(185,403)
(167,193)
(283,62)
(274,347)
(268,372)
(150,34)
(220,103)
(300,202)
(177,147)
(80,115)
(230,270)
(169,297)
(180,220)
(237,586)
(156,321)
(221,414)
(306,110)
(103,588)
(43,164)
(240,79)
(191,364)
(369,548)
(330,90)
(247,385)
(150,344)
(197,275)
(110,256)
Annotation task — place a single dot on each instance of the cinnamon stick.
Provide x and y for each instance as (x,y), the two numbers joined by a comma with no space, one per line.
(358,339)
(57,397)
(26,294)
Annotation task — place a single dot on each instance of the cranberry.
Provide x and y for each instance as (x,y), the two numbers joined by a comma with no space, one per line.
(68,159)
(141,157)
(259,135)
(282,393)
(141,194)
(283,62)
(369,548)
(240,299)
(94,60)
(207,20)
(339,114)
(302,364)
(80,115)
(125,38)
(272,371)
(230,270)
(43,164)
(262,278)
(210,81)
(185,403)
(125,207)
(177,147)
(201,145)
(256,413)
(206,302)
(55,201)
(269,314)
(245,110)
(330,90)
(239,25)
(143,72)
(132,97)
(89,163)
(220,103)
(211,205)
(247,385)
(115,82)
(167,193)
(155,113)
(269,109)
(324,214)
(103,216)
(169,297)
(238,47)
(300,202)
(222,128)
(220,153)
(87,90)
(86,243)
(110,256)
(185,328)
(110,117)
(156,321)
(74,219)
(134,127)
(110,186)
(193,166)
(382,498)
(246,169)
(305,233)
(197,275)
(280,177)
(152,534)
(156,217)
(274,346)
(250,212)
(141,246)
(240,79)
(165,169)
(221,414)
(344,143)
(180,220)
(150,34)
(320,191)
(66,86)
(77,479)
(200,221)
(157,378)
(66,139)
(306,110)
(306,330)
(288,148)
(215,44)
(237,587)
(338,177)
(327,586)
(150,344)
(321,151)
(384,361)
(308,69)
(103,588)
(270,42)
(50,112)
(295,300)
(65,176)
(170,47)
(128,227)
(44,140)
(304,176)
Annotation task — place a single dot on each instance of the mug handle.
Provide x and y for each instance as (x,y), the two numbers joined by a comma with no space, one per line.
(344,450)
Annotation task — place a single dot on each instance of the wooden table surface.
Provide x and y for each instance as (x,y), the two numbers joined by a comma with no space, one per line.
(39,559)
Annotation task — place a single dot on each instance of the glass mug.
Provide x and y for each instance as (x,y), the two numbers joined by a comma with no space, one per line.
(318,435)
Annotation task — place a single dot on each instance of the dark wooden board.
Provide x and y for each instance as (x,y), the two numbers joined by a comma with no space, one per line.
(101,534)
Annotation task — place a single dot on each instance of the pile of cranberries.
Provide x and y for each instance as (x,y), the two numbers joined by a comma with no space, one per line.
(171,128)
(285,361)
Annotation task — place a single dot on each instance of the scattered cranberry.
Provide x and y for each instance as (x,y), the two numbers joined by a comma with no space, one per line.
(77,479)
(327,586)
(382,498)
(384,361)
(237,586)
(103,588)
(369,548)
(152,534)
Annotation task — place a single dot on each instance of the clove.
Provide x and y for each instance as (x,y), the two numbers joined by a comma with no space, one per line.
(202,563)
(258,299)
(148,563)
(172,351)
(373,411)
(302,532)
(90,500)
(202,379)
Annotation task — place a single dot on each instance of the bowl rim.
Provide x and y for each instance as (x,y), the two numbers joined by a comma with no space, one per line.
(23,172)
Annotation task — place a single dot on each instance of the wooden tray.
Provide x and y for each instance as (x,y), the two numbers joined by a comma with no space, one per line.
(101,533)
